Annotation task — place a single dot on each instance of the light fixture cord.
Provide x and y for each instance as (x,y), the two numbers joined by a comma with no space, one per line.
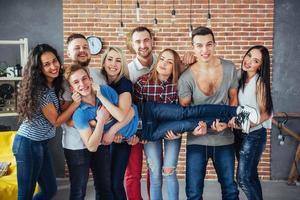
(190,12)
(208,10)
(121,13)
(155,9)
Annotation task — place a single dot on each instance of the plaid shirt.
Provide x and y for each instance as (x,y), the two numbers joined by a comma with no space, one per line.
(157,91)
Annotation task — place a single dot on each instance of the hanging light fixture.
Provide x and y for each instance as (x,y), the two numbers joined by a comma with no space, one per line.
(121,27)
(191,26)
(155,21)
(173,13)
(208,24)
(137,9)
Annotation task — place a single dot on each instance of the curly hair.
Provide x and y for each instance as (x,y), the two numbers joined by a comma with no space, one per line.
(34,82)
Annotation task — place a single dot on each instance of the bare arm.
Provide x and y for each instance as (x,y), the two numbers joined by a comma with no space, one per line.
(187,59)
(185,101)
(261,100)
(56,119)
(90,138)
(118,112)
(64,106)
(110,134)
(233,97)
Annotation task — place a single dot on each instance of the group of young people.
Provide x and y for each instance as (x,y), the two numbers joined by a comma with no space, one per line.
(99,111)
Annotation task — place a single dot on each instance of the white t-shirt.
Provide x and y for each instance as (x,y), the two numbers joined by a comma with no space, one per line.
(136,69)
(248,97)
(71,137)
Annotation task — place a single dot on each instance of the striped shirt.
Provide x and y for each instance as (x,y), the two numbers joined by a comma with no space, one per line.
(158,91)
(39,128)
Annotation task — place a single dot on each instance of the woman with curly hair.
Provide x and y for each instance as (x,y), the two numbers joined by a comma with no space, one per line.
(39,111)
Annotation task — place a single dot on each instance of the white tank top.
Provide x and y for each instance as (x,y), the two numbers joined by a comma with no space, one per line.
(248,97)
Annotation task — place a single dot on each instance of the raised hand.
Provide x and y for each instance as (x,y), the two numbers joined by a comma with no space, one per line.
(76,97)
(103,115)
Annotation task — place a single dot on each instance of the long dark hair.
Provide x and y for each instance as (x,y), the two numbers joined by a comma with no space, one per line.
(34,82)
(263,76)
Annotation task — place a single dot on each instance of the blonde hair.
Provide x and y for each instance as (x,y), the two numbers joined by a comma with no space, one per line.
(74,68)
(124,68)
(175,70)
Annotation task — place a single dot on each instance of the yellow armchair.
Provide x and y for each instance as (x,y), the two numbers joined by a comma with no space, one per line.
(8,183)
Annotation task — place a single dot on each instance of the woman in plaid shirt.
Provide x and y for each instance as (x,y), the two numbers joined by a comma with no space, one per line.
(160,85)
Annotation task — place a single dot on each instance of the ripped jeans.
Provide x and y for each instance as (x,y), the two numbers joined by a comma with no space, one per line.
(156,164)
(250,149)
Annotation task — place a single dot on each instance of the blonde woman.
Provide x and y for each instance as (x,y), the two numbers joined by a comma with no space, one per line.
(115,69)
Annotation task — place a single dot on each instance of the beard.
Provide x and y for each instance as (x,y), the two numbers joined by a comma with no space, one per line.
(84,63)
(143,55)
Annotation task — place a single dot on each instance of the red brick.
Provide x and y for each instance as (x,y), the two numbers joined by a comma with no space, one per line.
(237,25)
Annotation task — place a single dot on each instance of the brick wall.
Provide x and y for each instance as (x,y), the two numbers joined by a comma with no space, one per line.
(237,24)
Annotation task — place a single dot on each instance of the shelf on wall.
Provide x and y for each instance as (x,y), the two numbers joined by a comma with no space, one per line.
(13,114)
(4,78)
(23,42)
(9,109)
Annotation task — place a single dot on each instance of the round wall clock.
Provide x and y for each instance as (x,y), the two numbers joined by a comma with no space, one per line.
(95,44)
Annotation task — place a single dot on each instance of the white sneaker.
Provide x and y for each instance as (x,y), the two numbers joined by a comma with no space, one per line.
(245,115)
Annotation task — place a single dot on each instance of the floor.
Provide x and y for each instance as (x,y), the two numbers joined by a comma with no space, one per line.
(272,190)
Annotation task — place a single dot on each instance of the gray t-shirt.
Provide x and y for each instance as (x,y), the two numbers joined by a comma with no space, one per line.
(188,88)
(71,137)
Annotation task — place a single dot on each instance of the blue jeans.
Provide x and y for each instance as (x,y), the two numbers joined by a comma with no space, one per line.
(158,118)
(153,152)
(120,156)
(34,164)
(251,148)
(79,162)
(223,161)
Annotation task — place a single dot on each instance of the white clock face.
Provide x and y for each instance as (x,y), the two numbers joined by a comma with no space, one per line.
(95,44)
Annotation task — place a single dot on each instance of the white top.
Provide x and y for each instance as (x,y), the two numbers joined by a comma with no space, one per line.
(136,69)
(248,97)
(71,137)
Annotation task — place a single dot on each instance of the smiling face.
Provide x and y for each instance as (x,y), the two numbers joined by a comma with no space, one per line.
(165,65)
(79,51)
(81,82)
(113,64)
(204,47)
(252,62)
(142,44)
(50,66)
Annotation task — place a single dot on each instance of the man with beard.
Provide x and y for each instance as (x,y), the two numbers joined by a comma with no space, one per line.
(143,63)
(79,159)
